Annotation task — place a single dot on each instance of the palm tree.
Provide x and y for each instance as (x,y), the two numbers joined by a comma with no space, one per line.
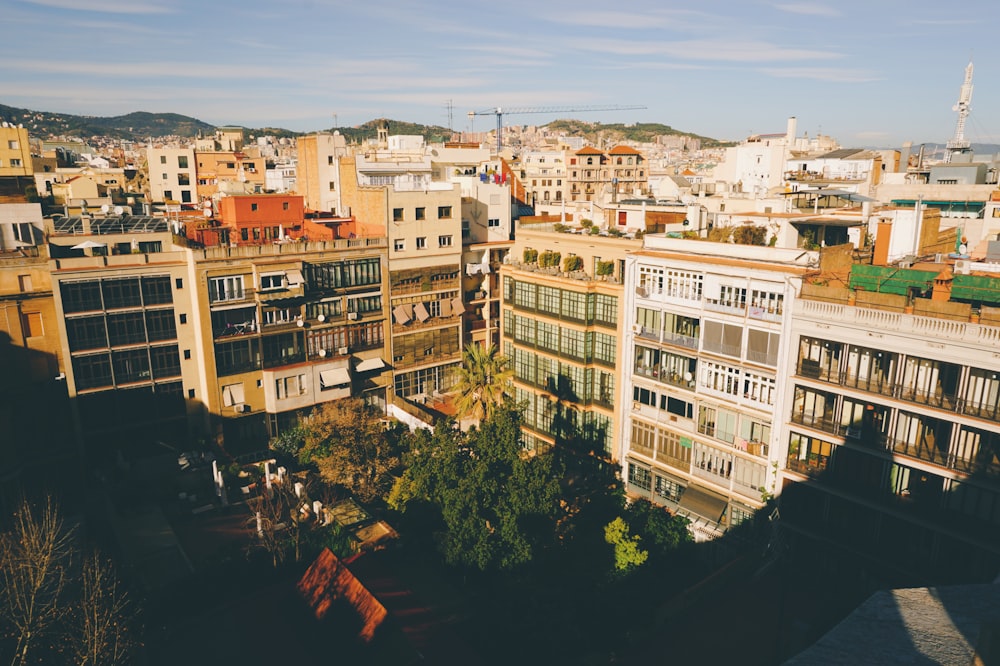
(483,381)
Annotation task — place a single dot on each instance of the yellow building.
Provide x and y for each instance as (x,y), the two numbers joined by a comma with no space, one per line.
(318,171)
(15,152)
(561,327)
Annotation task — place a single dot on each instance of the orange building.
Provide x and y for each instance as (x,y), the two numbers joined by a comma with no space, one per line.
(263,217)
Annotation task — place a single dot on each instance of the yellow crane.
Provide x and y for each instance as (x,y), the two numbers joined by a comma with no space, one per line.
(500,112)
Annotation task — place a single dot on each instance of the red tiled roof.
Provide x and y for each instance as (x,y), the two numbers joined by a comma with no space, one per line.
(623,150)
(588,150)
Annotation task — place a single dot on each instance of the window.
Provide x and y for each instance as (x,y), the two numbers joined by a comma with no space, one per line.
(272,281)
(163,159)
(444,241)
(723,338)
(420,213)
(639,477)
(493,222)
(24,283)
(332,185)
(187,354)
(182,162)
(444,212)
(179,283)
(253,207)
(399,245)
(15,162)
(191,393)
(290,387)
(284,205)
(397,214)
(225,288)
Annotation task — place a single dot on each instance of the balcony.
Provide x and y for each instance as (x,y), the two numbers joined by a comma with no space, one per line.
(924,450)
(726,306)
(684,381)
(231,296)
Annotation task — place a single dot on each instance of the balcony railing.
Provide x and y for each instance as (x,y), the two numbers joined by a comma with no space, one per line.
(921,451)
(231,296)
(729,307)
(684,381)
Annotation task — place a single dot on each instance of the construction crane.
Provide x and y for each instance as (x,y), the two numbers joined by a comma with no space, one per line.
(958,143)
(501,112)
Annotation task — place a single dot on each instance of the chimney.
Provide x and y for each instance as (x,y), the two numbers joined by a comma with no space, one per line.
(904,157)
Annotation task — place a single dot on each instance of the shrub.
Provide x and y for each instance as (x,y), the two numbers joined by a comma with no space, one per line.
(749,234)
(559,227)
(594,230)
(549,259)
(605,267)
(586,223)
(530,256)
(572,263)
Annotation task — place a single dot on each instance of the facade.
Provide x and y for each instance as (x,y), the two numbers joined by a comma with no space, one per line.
(561,332)
(892,451)
(124,308)
(262,217)
(172,175)
(15,151)
(318,171)
(593,175)
(705,353)
(229,172)
(393,184)
(287,326)
(543,174)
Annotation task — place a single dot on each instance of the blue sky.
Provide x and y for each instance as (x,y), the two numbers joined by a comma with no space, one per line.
(872,73)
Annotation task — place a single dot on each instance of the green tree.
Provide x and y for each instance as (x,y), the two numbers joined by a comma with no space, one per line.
(628,554)
(483,381)
(498,505)
(350,446)
(661,530)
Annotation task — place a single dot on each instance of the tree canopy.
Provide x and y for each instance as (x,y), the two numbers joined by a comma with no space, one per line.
(497,504)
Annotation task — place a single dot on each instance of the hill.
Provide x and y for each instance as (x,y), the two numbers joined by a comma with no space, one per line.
(638,132)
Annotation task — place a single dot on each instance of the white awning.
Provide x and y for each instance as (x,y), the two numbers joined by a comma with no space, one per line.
(370,364)
(294,277)
(232,394)
(421,312)
(335,377)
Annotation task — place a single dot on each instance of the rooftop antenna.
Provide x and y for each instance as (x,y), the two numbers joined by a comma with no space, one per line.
(451,117)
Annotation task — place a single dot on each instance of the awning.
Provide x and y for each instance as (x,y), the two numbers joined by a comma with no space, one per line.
(335,377)
(370,364)
(445,307)
(401,315)
(456,306)
(294,277)
(705,503)
(232,394)
(421,312)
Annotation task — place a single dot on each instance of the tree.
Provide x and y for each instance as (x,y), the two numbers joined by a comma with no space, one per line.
(498,505)
(34,560)
(628,554)
(349,444)
(100,619)
(661,530)
(483,381)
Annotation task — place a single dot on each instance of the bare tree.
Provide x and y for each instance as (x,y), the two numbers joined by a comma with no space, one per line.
(278,519)
(34,559)
(100,631)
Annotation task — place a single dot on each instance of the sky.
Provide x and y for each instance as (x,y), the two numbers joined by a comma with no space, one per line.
(872,73)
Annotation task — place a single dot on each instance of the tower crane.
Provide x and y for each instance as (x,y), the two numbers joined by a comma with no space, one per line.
(958,143)
(500,112)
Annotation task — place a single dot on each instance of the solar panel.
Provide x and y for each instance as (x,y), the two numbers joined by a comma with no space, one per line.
(67,225)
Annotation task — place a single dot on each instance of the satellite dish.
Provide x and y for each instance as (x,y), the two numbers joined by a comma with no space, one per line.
(119,210)
(207,203)
(322,353)
(105,208)
(208,212)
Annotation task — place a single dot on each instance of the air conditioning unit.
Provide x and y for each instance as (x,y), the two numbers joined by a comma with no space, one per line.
(637,329)
(322,353)
(636,405)
(321,318)
(342,351)
(963,267)
(352,316)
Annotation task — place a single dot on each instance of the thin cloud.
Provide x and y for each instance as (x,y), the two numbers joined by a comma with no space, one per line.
(832,74)
(705,49)
(105,6)
(678,19)
(808,9)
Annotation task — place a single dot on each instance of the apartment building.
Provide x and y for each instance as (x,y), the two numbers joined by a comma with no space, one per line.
(706,334)
(318,170)
(15,151)
(606,177)
(124,305)
(172,175)
(392,183)
(891,457)
(287,326)
(562,316)
(543,173)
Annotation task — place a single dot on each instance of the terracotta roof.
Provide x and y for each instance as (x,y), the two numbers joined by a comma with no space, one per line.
(623,150)
(588,150)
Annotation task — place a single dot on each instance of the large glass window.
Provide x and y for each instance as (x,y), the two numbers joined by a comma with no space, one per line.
(161,325)
(121,293)
(606,310)
(156,290)
(225,288)
(722,338)
(762,347)
(86,333)
(819,359)
(982,394)
(929,382)
(871,369)
(92,371)
(808,455)
(922,437)
(130,365)
(166,362)
(81,296)
(126,328)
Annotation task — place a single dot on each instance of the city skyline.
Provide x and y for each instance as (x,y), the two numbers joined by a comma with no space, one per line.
(872,75)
